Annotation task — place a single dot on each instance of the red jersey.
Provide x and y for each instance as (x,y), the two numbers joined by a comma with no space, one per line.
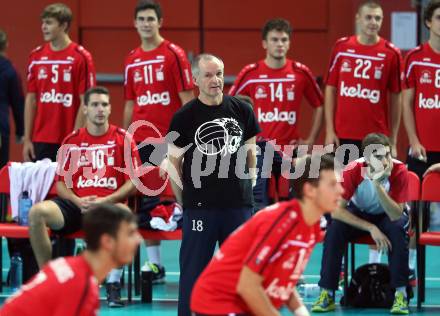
(96,165)
(422,73)
(275,243)
(360,189)
(58,78)
(65,286)
(363,75)
(277,96)
(153,80)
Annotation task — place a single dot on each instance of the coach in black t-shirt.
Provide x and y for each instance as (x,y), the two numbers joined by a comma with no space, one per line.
(212,168)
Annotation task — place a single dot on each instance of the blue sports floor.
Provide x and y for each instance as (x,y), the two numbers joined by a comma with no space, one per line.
(165,296)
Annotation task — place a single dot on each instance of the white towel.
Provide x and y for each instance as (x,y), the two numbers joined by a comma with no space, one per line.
(160,224)
(34,177)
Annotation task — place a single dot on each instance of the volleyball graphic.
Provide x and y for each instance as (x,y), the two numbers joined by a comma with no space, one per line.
(218,136)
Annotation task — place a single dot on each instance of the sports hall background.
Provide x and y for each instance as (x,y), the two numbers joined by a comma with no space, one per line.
(227,28)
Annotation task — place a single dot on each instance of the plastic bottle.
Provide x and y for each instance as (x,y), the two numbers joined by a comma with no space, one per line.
(16,272)
(146,284)
(308,290)
(24,206)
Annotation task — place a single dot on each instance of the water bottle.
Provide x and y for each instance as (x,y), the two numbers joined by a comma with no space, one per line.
(308,290)
(146,284)
(16,272)
(24,206)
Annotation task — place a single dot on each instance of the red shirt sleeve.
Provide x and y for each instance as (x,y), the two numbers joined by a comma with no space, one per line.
(409,80)
(399,184)
(237,87)
(351,177)
(31,77)
(86,71)
(129,93)
(312,91)
(395,82)
(332,77)
(269,236)
(181,70)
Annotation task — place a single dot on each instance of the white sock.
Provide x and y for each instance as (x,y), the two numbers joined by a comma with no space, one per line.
(412,259)
(153,253)
(374,256)
(115,276)
(401,289)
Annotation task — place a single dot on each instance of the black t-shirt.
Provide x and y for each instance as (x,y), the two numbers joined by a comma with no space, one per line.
(213,137)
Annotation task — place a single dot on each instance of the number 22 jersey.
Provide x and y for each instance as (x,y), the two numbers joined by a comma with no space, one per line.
(363,75)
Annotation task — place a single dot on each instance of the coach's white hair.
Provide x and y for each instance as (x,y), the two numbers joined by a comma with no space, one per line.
(195,66)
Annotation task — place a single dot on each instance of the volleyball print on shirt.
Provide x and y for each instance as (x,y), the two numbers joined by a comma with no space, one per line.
(220,136)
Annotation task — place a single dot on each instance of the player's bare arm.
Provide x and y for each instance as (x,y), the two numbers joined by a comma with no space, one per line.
(29,117)
(250,288)
(393,209)
(80,119)
(296,305)
(417,149)
(65,193)
(128,114)
(433,168)
(396,114)
(186,96)
(329,108)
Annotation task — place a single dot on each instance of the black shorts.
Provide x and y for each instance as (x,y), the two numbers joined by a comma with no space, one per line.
(72,216)
(46,150)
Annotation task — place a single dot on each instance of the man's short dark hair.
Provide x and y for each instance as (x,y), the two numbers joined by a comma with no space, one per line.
(3,40)
(280,25)
(372,4)
(95,90)
(104,219)
(375,139)
(143,5)
(428,12)
(324,162)
(60,12)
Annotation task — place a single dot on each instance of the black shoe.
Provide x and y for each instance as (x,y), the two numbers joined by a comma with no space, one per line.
(158,272)
(114,295)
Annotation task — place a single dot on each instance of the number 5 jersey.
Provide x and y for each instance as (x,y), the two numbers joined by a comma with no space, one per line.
(58,78)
